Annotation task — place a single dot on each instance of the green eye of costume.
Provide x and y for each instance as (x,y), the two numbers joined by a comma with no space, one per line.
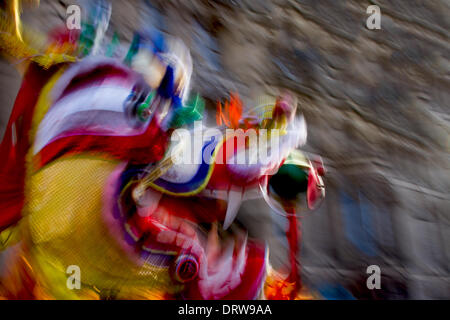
(289,181)
(292,177)
(142,110)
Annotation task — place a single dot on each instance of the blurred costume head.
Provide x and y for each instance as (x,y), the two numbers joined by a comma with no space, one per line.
(90,178)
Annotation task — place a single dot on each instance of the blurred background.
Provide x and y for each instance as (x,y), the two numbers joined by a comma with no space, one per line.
(377,107)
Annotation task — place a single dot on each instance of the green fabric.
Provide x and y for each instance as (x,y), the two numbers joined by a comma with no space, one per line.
(113,45)
(193,111)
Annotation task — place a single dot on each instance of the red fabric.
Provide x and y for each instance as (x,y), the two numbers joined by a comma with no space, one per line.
(222,178)
(313,193)
(145,148)
(12,156)
(252,278)
(198,209)
(293,236)
(61,37)
(101,75)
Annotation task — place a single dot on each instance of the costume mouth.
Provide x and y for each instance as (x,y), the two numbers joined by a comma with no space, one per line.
(166,232)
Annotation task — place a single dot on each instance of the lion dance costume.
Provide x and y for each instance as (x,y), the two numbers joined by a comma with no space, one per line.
(91,178)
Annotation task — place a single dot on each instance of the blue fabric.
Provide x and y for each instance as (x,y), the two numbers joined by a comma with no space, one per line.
(166,88)
(195,182)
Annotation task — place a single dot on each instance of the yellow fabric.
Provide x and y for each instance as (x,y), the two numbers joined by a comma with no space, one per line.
(63,226)
(66,228)
(10,236)
(30,47)
(298,158)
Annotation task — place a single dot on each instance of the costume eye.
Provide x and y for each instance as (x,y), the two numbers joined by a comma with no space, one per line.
(138,105)
(186,268)
(290,181)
